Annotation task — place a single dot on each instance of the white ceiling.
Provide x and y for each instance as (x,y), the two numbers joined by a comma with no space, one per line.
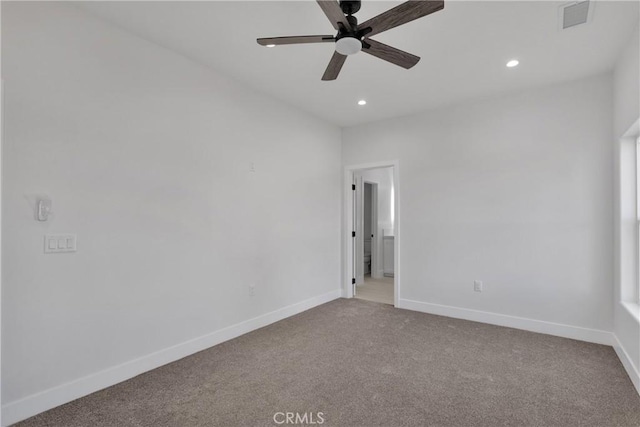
(464,49)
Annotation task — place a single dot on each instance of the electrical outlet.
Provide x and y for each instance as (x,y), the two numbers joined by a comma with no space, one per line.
(252,290)
(477,285)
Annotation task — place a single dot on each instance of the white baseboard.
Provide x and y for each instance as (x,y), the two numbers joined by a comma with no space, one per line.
(29,406)
(632,371)
(558,329)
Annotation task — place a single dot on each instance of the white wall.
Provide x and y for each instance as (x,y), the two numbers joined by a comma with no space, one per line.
(626,86)
(384,178)
(514,191)
(146,157)
(626,90)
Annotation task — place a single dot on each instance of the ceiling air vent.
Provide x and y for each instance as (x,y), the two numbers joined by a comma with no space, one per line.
(575,13)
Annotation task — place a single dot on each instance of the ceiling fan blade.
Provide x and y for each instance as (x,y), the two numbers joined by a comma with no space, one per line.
(401,14)
(294,40)
(334,67)
(332,9)
(389,54)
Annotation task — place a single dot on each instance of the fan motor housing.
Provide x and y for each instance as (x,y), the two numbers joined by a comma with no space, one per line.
(343,32)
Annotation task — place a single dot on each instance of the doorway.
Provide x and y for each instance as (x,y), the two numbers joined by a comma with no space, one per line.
(372,233)
(372,284)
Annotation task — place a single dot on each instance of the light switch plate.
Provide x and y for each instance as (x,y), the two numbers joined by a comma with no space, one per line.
(56,243)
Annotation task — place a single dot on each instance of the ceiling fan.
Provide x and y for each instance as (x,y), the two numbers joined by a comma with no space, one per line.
(353,37)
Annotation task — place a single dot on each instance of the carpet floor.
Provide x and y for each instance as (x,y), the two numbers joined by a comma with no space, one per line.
(361,363)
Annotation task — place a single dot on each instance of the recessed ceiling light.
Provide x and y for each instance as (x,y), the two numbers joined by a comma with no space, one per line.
(271,45)
(512,63)
(362,102)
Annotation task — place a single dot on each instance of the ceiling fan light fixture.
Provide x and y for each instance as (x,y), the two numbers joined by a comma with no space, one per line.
(513,63)
(362,102)
(348,46)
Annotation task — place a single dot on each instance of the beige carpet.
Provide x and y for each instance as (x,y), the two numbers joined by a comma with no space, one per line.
(376,290)
(367,364)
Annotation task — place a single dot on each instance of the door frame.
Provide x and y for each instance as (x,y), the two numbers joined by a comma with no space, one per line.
(358,259)
(348,224)
(1,196)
